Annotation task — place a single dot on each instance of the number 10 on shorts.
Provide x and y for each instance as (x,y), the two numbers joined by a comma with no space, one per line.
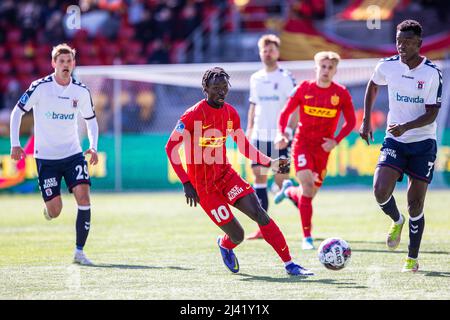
(221,214)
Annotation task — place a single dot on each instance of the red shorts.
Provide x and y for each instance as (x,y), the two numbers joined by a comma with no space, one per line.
(226,191)
(314,159)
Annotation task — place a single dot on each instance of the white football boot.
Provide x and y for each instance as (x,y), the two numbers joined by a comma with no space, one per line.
(80,258)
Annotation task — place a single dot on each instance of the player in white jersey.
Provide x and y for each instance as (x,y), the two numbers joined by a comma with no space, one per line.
(270,87)
(56,101)
(415,89)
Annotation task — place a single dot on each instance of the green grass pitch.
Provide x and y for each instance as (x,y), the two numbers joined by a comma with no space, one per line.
(153,246)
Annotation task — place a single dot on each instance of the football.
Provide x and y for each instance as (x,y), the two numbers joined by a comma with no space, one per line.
(334,253)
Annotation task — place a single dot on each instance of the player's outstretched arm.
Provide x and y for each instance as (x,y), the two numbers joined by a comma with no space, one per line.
(365,131)
(17,151)
(430,115)
(248,150)
(172,147)
(92,129)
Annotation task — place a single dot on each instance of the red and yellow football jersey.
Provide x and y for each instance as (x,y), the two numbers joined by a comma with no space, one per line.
(319,110)
(204,131)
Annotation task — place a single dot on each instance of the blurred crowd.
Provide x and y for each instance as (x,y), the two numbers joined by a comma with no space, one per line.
(109,32)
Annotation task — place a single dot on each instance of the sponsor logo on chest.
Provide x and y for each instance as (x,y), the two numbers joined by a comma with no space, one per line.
(51,115)
(409,99)
(320,112)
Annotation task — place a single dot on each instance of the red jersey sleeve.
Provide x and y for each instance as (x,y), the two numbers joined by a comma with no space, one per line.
(244,146)
(184,126)
(291,105)
(348,111)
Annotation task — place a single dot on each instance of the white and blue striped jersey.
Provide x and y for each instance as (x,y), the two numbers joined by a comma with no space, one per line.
(55,111)
(409,91)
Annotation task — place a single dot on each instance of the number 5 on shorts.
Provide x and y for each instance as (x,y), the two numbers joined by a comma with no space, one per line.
(221,213)
(301,160)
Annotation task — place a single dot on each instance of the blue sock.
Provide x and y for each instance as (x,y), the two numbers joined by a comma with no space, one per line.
(83,225)
(261,192)
(390,208)
(416,227)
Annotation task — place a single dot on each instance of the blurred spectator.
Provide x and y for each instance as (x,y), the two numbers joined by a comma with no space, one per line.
(137,113)
(159,53)
(146,103)
(8,14)
(136,11)
(103,112)
(188,20)
(29,16)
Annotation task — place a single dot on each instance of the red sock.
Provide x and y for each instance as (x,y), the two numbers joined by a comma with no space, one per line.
(227,243)
(293,193)
(273,236)
(306,211)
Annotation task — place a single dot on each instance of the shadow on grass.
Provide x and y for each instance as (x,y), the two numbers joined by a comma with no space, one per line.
(381,250)
(304,279)
(139,267)
(398,251)
(435,274)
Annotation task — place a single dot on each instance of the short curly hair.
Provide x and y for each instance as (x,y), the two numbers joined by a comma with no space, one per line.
(410,25)
(214,73)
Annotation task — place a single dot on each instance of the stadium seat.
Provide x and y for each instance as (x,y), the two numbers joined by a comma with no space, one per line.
(5,67)
(14,36)
(125,33)
(24,66)
(2,52)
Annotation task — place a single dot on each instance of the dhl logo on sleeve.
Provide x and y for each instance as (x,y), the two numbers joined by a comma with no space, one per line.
(320,112)
(211,142)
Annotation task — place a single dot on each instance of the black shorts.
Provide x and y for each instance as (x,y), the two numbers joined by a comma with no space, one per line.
(268,148)
(416,159)
(50,172)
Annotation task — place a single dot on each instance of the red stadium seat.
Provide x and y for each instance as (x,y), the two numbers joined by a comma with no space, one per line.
(2,52)
(25,81)
(24,66)
(43,50)
(43,66)
(5,67)
(16,51)
(14,36)
(125,33)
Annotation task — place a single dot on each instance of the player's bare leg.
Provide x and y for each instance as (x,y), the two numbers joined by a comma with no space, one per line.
(250,205)
(53,208)
(308,191)
(260,186)
(83,223)
(279,178)
(385,179)
(417,190)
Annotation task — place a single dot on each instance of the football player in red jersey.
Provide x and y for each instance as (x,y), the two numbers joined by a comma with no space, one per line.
(321,102)
(212,182)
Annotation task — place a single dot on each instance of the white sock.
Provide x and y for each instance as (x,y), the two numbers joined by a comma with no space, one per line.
(400,220)
(287,263)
